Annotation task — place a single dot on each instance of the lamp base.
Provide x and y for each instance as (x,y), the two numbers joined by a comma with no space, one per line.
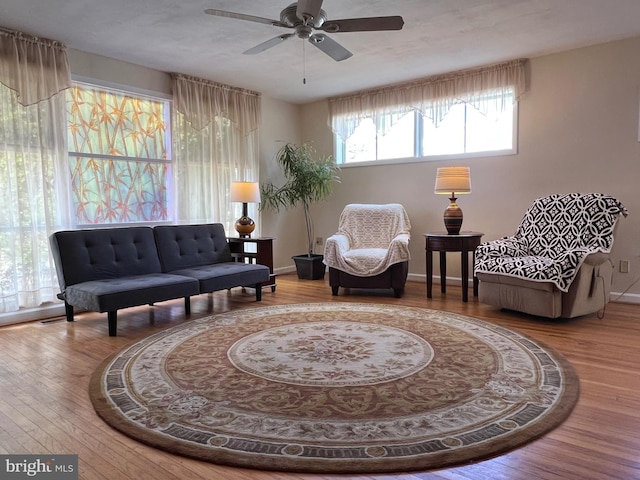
(453,217)
(244,226)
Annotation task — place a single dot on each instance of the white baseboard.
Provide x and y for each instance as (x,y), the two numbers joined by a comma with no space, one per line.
(32,314)
(283,270)
(417,277)
(625,297)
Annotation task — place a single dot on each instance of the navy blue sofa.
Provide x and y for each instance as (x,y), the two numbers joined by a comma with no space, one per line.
(107,269)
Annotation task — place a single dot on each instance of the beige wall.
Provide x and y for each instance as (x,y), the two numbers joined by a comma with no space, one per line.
(110,72)
(280,125)
(578,131)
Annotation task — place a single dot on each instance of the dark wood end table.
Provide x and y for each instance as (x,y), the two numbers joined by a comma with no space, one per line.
(262,255)
(465,243)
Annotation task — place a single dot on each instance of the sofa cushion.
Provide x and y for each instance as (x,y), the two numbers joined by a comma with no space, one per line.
(189,246)
(101,254)
(226,275)
(129,291)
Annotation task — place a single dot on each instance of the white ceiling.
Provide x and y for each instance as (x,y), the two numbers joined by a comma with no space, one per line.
(439,36)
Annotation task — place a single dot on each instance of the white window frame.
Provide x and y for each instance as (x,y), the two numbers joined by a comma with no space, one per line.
(339,147)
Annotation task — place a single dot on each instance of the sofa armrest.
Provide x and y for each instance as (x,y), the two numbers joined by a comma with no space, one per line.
(399,248)
(338,242)
(502,247)
(333,248)
(401,238)
(596,258)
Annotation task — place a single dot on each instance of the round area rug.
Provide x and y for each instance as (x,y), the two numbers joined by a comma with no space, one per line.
(336,387)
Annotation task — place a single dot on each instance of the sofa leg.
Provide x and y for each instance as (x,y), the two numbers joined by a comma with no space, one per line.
(187,305)
(334,291)
(113,322)
(68,311)
(258,293)
(397,292)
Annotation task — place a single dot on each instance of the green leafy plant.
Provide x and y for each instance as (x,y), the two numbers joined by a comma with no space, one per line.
(308,180)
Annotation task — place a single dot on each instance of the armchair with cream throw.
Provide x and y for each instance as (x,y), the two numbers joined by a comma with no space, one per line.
(557,262)
(370,249)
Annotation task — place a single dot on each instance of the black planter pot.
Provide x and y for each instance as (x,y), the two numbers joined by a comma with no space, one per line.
(309,267)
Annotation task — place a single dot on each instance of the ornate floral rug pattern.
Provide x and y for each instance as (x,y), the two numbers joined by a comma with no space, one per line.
(336,387)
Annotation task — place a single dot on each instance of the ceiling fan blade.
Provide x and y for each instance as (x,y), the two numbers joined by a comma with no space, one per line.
(330,47)
(268,44)
(368,24)
(308,10)
(242,16)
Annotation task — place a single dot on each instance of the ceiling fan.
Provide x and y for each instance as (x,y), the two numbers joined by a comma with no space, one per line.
(307,16)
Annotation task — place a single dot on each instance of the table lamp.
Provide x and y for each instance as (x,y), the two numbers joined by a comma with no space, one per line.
(245,192)
(453,180)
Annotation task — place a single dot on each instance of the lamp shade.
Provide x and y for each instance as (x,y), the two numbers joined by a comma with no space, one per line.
(451,180)
(245,192)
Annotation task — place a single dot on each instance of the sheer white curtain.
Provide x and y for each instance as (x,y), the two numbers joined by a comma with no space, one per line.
(215,132)
(487,89)
(34,188)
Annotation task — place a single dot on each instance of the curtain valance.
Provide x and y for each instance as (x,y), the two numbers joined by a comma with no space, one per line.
(488,89)
(200,101)
(35,68)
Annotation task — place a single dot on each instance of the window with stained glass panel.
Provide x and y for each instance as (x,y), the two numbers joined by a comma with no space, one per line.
(119,156)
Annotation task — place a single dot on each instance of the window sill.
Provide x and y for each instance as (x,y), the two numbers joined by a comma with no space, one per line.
(432,158)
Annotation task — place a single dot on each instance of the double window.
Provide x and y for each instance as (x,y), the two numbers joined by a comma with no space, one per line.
(469,113)
(464,131)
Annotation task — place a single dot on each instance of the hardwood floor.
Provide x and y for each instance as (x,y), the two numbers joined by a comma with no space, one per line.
(45,407)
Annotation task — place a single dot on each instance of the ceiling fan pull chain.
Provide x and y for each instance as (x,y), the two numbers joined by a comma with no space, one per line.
(304,63)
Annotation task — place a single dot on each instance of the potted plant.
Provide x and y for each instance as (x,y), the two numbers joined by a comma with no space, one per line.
(308,180)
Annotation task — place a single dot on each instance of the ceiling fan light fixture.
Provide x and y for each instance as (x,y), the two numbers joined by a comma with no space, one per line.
(303,31)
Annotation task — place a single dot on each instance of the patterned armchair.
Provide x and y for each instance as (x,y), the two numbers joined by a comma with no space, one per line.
(557,262)
(370,249)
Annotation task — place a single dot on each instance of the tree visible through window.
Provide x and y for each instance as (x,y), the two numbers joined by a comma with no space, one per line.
(119,156)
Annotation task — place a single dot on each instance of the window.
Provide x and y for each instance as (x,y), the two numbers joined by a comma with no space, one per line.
(466,130)
(119,156)
(463,131)
(469,113)
(367,144)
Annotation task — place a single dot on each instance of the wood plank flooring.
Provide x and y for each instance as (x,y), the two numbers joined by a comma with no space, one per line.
(45,408)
